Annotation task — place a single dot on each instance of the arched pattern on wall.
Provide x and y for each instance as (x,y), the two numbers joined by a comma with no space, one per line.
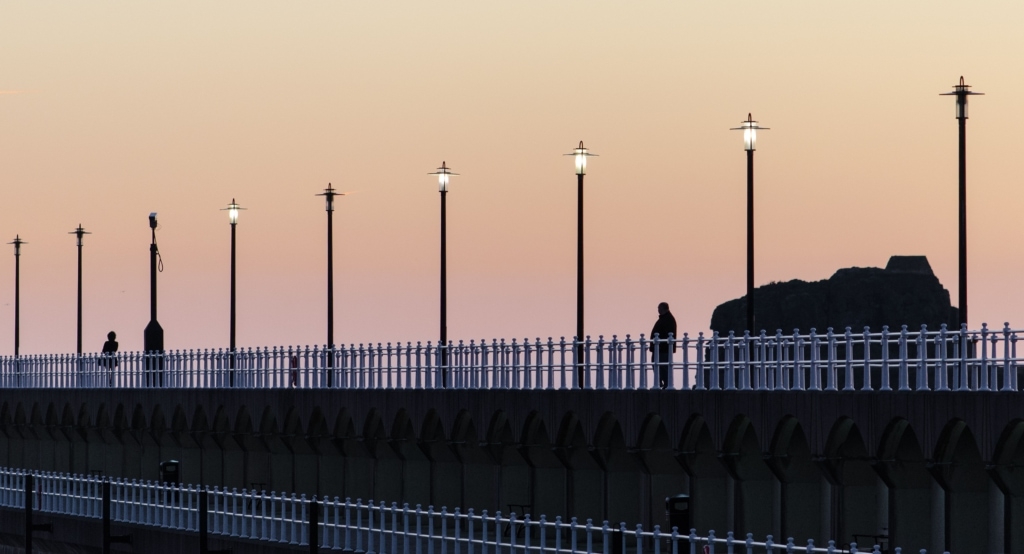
(789,457)
(741,452)
(662,474)
(698,455)
(855,484)
(959,468)
(901,465)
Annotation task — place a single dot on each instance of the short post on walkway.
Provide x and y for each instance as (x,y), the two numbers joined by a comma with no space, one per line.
(31,527)
(109,539)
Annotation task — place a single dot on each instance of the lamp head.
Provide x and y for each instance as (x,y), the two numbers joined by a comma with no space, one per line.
(962,91)
(444,175)
(580,155)
(79,233)
(329,193)
(232,210)
(152,220)
(749,128)
(17,242)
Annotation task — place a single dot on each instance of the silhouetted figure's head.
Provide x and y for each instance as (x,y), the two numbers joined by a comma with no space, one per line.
(111,336)
(663,308)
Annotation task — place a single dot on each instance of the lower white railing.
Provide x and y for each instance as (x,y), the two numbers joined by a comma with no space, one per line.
(357,526)
(958,360)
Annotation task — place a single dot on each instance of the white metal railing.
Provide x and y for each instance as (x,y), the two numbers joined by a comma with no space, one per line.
(361,527)
(977,360)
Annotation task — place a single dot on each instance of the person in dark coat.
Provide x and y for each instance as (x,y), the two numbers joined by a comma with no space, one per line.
(665,326)
(108,357)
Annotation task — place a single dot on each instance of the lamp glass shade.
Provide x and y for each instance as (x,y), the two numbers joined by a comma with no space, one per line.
(961,106)
(749,136)
(233,214)
(442,181)
(581,161)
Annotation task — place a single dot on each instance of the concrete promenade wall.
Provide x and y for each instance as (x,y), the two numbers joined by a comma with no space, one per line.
(931,470)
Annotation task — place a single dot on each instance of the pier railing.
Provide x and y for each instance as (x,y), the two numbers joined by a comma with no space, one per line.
(883,360)
(355,526)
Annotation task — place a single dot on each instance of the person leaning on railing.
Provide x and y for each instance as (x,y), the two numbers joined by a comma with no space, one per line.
(108,357)
(664,328)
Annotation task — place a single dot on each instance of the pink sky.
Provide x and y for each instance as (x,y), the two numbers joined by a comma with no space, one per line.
(111,110)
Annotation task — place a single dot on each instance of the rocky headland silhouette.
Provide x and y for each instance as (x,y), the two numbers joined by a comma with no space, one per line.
(906,292)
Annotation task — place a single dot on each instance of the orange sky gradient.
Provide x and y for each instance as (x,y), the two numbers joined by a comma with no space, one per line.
(111,110)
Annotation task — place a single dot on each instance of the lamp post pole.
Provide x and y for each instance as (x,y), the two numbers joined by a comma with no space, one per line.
(444,175)
(580,155)
(79,233)
(17,242)
(153,336)
(962,91)
(329,193)
(750,128)
(232,210)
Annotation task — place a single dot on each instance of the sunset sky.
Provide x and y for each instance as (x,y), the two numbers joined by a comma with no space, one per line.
(111,110)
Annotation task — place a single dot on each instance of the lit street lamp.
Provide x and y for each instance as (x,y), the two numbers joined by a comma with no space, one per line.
(17,242)
(79,233)
(329,193)
(961,92)
(750,128)
(580,155)
(232,210)
(444,175)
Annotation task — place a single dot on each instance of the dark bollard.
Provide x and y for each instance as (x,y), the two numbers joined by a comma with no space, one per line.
(204,525)
(109,539)
(29,526)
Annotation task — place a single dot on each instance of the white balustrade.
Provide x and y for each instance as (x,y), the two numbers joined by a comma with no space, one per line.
(370,527)
(903,360)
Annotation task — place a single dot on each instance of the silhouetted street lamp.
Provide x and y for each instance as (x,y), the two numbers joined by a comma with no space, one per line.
(444,175)
(79,233)
(750,128)
(17,242)
(961,92)
(153,336)
(329,193)
(232,210)
(580,155)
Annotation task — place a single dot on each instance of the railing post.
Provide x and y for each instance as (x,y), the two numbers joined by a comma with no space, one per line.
(1008,367)
(922,354)
(815,372)
(686,361)
(942,367)
(830,383)
(314,526)
(700,380)
(904,375)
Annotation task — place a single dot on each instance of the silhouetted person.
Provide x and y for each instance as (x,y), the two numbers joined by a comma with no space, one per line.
(665,326)
(108,357)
